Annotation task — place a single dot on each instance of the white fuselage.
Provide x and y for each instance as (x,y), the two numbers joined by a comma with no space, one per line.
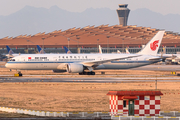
(58,61)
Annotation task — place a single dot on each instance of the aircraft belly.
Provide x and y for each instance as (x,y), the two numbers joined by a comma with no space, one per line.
(35,66)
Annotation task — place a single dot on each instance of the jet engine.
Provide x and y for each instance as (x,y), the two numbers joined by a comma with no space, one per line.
(74,68)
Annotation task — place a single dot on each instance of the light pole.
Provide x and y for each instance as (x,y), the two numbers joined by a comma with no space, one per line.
(78,50)
(144,42)
(43,42)
(77,40)
(27,46)
(68,42)
(123,44)
(108,44)
(141,40)
(97,44)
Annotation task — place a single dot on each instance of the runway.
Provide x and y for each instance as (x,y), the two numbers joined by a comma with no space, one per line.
(89,80)
(162,67)
(99,78)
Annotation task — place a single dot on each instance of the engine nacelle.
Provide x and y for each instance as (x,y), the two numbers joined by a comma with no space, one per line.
(59,71)
(74,68)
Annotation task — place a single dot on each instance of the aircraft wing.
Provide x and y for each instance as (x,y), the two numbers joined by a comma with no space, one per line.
(160,58)
(96,63)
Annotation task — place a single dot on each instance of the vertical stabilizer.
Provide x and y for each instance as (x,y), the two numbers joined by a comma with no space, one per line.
(118,52)
(127,51)
(153,45)
(100,50)
(67,50)
(40,50)
(10,52)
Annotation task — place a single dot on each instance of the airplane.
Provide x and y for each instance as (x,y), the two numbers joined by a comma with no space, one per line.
(100,50)
(40,50)
(78,63)
(170,58)
(118,51)
(11,54)
(127,51)
(67,50)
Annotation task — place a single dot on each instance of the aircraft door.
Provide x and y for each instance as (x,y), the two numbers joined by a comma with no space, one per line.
(99,58)
(23,58)
(55,61)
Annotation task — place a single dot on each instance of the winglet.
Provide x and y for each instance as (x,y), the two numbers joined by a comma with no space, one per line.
(67,50)
(40,50)
(153,45)
(10,52)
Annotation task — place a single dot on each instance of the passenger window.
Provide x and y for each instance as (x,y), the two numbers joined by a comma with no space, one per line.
(13,59)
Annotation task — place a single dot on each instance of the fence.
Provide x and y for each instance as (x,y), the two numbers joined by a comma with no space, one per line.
(143,118)
(169,113)
(165,115)
(56,114)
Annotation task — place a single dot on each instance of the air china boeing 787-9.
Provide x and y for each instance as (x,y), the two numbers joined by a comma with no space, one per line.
(77,63)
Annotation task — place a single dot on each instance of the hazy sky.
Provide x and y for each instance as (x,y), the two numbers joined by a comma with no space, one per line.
(161,6)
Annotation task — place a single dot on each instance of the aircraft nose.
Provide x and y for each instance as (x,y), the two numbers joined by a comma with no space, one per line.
(6,65)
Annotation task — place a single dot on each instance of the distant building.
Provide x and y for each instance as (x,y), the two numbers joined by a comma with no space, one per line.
(137,103)
(116,37)
(123,13)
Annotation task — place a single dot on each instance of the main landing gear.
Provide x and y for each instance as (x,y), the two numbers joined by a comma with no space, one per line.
(87,73)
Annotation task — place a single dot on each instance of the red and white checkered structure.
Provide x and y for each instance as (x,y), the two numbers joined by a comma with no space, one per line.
(146,103)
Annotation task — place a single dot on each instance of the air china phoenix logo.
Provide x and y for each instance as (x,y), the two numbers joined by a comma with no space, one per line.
(154,45)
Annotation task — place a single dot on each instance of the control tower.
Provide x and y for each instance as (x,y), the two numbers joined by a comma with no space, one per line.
(123,13)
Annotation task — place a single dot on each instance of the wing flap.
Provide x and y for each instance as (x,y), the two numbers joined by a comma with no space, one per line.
(160,58)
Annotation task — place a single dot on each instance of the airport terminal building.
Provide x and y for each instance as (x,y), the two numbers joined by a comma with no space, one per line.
(88,38)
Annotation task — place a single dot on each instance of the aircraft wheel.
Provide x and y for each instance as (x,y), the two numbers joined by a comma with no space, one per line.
(92,73)
(87,73)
